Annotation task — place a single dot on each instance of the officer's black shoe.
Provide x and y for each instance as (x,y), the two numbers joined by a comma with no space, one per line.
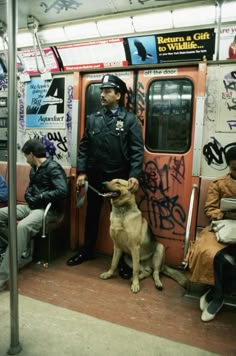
(79,258)
(124,270)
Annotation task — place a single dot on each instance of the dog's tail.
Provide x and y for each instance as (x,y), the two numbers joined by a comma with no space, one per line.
(176,275)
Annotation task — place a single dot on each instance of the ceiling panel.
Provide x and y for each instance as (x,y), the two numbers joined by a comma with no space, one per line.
(54,11)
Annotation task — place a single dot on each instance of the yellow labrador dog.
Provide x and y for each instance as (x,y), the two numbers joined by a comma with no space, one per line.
(130,233)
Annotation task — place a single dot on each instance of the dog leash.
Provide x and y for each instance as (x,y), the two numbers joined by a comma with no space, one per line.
(81,199)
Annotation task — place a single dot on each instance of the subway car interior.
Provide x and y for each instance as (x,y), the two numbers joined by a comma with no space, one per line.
(178,62)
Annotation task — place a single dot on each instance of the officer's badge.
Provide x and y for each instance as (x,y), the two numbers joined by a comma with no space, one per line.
(120,125)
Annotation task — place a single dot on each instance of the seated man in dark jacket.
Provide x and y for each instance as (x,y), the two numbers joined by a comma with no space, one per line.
(48,183)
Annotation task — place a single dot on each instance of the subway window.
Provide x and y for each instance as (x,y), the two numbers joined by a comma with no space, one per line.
(169,115)
(92,98)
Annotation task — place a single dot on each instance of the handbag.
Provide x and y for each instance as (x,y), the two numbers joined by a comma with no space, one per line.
(225,230)
(227,204)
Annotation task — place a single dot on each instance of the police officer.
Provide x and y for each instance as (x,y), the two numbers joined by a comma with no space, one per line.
(111,147)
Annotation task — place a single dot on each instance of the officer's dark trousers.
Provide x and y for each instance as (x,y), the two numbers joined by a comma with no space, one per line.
(94,208)
(224,272)
(95,203)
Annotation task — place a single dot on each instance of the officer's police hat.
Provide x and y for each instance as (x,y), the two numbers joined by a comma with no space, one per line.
(112,81)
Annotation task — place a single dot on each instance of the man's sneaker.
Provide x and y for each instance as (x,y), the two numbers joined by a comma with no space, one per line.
(205,299)
(213,308)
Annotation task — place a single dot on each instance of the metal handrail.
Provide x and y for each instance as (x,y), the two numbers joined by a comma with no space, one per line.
(3,36)
(32,24)
(48,207)
(189,221)
(12,16)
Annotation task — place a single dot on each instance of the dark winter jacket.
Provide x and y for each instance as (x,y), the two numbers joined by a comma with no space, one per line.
(48,183)
(3,189)
(112,142)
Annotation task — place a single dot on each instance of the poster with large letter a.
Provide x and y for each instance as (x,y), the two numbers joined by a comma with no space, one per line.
(45,103)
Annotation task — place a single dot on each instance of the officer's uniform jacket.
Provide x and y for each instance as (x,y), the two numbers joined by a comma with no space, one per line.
(111,142)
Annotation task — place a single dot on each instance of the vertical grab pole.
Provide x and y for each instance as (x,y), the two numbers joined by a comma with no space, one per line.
(12,16)
(189,220)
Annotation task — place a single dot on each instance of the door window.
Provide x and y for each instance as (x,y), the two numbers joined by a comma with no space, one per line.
(169,115)
(92,99)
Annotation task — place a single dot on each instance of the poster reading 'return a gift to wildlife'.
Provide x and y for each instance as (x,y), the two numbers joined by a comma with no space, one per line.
(45,103)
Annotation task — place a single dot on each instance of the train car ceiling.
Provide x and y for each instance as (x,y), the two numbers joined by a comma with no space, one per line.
(68,21)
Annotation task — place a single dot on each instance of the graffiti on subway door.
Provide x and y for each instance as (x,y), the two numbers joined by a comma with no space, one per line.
(164,210)
(214,153)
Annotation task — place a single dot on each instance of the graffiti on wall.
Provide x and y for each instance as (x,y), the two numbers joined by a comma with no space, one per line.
(60,5)
(214,153)
(226,120)
(3,84)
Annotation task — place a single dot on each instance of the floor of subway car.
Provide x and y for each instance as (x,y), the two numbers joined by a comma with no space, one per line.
(168,314)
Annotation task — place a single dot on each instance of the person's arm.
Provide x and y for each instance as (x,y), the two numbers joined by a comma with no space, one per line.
(59,186)
(83,150)
(212,205)
(136,148)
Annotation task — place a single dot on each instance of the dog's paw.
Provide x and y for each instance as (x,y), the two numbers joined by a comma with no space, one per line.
(135,288)
(106,275)
(157,281)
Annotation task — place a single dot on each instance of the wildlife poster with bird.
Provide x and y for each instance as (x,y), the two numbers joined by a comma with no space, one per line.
(186,46)
(141,50)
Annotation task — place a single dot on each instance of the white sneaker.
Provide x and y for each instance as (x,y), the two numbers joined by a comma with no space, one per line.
(213,308)
(205,300)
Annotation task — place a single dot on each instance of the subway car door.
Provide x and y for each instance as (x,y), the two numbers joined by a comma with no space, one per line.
(167,106)
(90,102)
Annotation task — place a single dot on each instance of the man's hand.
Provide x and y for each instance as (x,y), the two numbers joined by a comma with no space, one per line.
(81,181)
(133,185)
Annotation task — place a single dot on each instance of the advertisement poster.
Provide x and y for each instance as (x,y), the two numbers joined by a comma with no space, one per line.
(45,103)
(94,54)
(142,50)
(186,46)
(28,59)
(227,48)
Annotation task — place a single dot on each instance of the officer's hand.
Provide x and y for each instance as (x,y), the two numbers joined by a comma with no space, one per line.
(133,185)
(81,181)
